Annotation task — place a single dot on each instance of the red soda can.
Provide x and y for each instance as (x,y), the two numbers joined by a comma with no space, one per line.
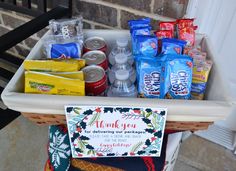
(95,43)
(96,57)
(95,80)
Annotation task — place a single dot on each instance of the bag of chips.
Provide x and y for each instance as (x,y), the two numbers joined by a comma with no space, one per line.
(145,45)
(168,25)
(176,76)
(172,46)
(148,78)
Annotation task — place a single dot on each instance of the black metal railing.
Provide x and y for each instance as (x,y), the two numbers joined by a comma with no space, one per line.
(43,11)
(34,7)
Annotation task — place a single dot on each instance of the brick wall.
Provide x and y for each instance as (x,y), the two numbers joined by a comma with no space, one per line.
(10,20)
(114,14)
(99,14)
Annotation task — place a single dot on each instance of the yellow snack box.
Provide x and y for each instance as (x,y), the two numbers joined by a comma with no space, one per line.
(72,75)
(68,65)
(43,83)
(199,81)
(201,71)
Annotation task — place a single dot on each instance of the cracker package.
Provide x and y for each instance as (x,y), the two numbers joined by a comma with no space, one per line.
(72,75)
(148,74)
(44,83)
(69,65)
(176,76)
(201,72)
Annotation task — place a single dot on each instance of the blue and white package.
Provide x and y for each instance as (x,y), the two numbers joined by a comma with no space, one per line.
(176,77)
(56,47)
(65,51)
(144,22)
(172,46)
(148,73)
(145,45)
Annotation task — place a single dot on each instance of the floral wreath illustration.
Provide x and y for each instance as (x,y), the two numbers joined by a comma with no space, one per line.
(127,113)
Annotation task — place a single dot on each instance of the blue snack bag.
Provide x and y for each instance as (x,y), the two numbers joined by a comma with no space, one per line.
(144,22)
(145,45)
(149,74)
(176,77)
(139,31)
(64,51)
(56,47)
(172,46)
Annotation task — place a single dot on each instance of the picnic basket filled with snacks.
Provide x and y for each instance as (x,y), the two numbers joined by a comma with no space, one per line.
(172,67)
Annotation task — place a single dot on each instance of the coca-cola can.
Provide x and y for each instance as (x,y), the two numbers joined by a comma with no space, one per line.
(95,43)
(95,80)
(96,57)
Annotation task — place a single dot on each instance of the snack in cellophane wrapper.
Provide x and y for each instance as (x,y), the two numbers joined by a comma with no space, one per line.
(185,22)
(145,45)
(187,34)
(68,65)
(172,46)
(168,25)
(43,83)
(72,75)
(67,28)
(176,76)
(163,34)
(188,49)
(148,78)
(56,47)
(201,72)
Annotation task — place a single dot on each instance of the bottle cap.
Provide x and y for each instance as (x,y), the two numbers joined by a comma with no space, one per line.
(121,58)
(122,42)
(122,75)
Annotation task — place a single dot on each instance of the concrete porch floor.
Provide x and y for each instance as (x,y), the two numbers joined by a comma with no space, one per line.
(23,147)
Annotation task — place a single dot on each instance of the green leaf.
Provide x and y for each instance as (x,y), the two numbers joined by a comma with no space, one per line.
(143,113)
(140,152)
(81,145)
(84,137)
(88,112)
(162,113)
(108,109)
(136,146)
(79,150)
(94,119)
(147,121)
(89,147)
(149,130)
(148,114)
(148,142)
(83,124)
(77,110)
(148,110)
(158,134)
(153,151)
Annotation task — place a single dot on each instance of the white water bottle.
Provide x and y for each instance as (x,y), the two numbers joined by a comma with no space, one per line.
(121,48)
(121,64)
(122,86)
